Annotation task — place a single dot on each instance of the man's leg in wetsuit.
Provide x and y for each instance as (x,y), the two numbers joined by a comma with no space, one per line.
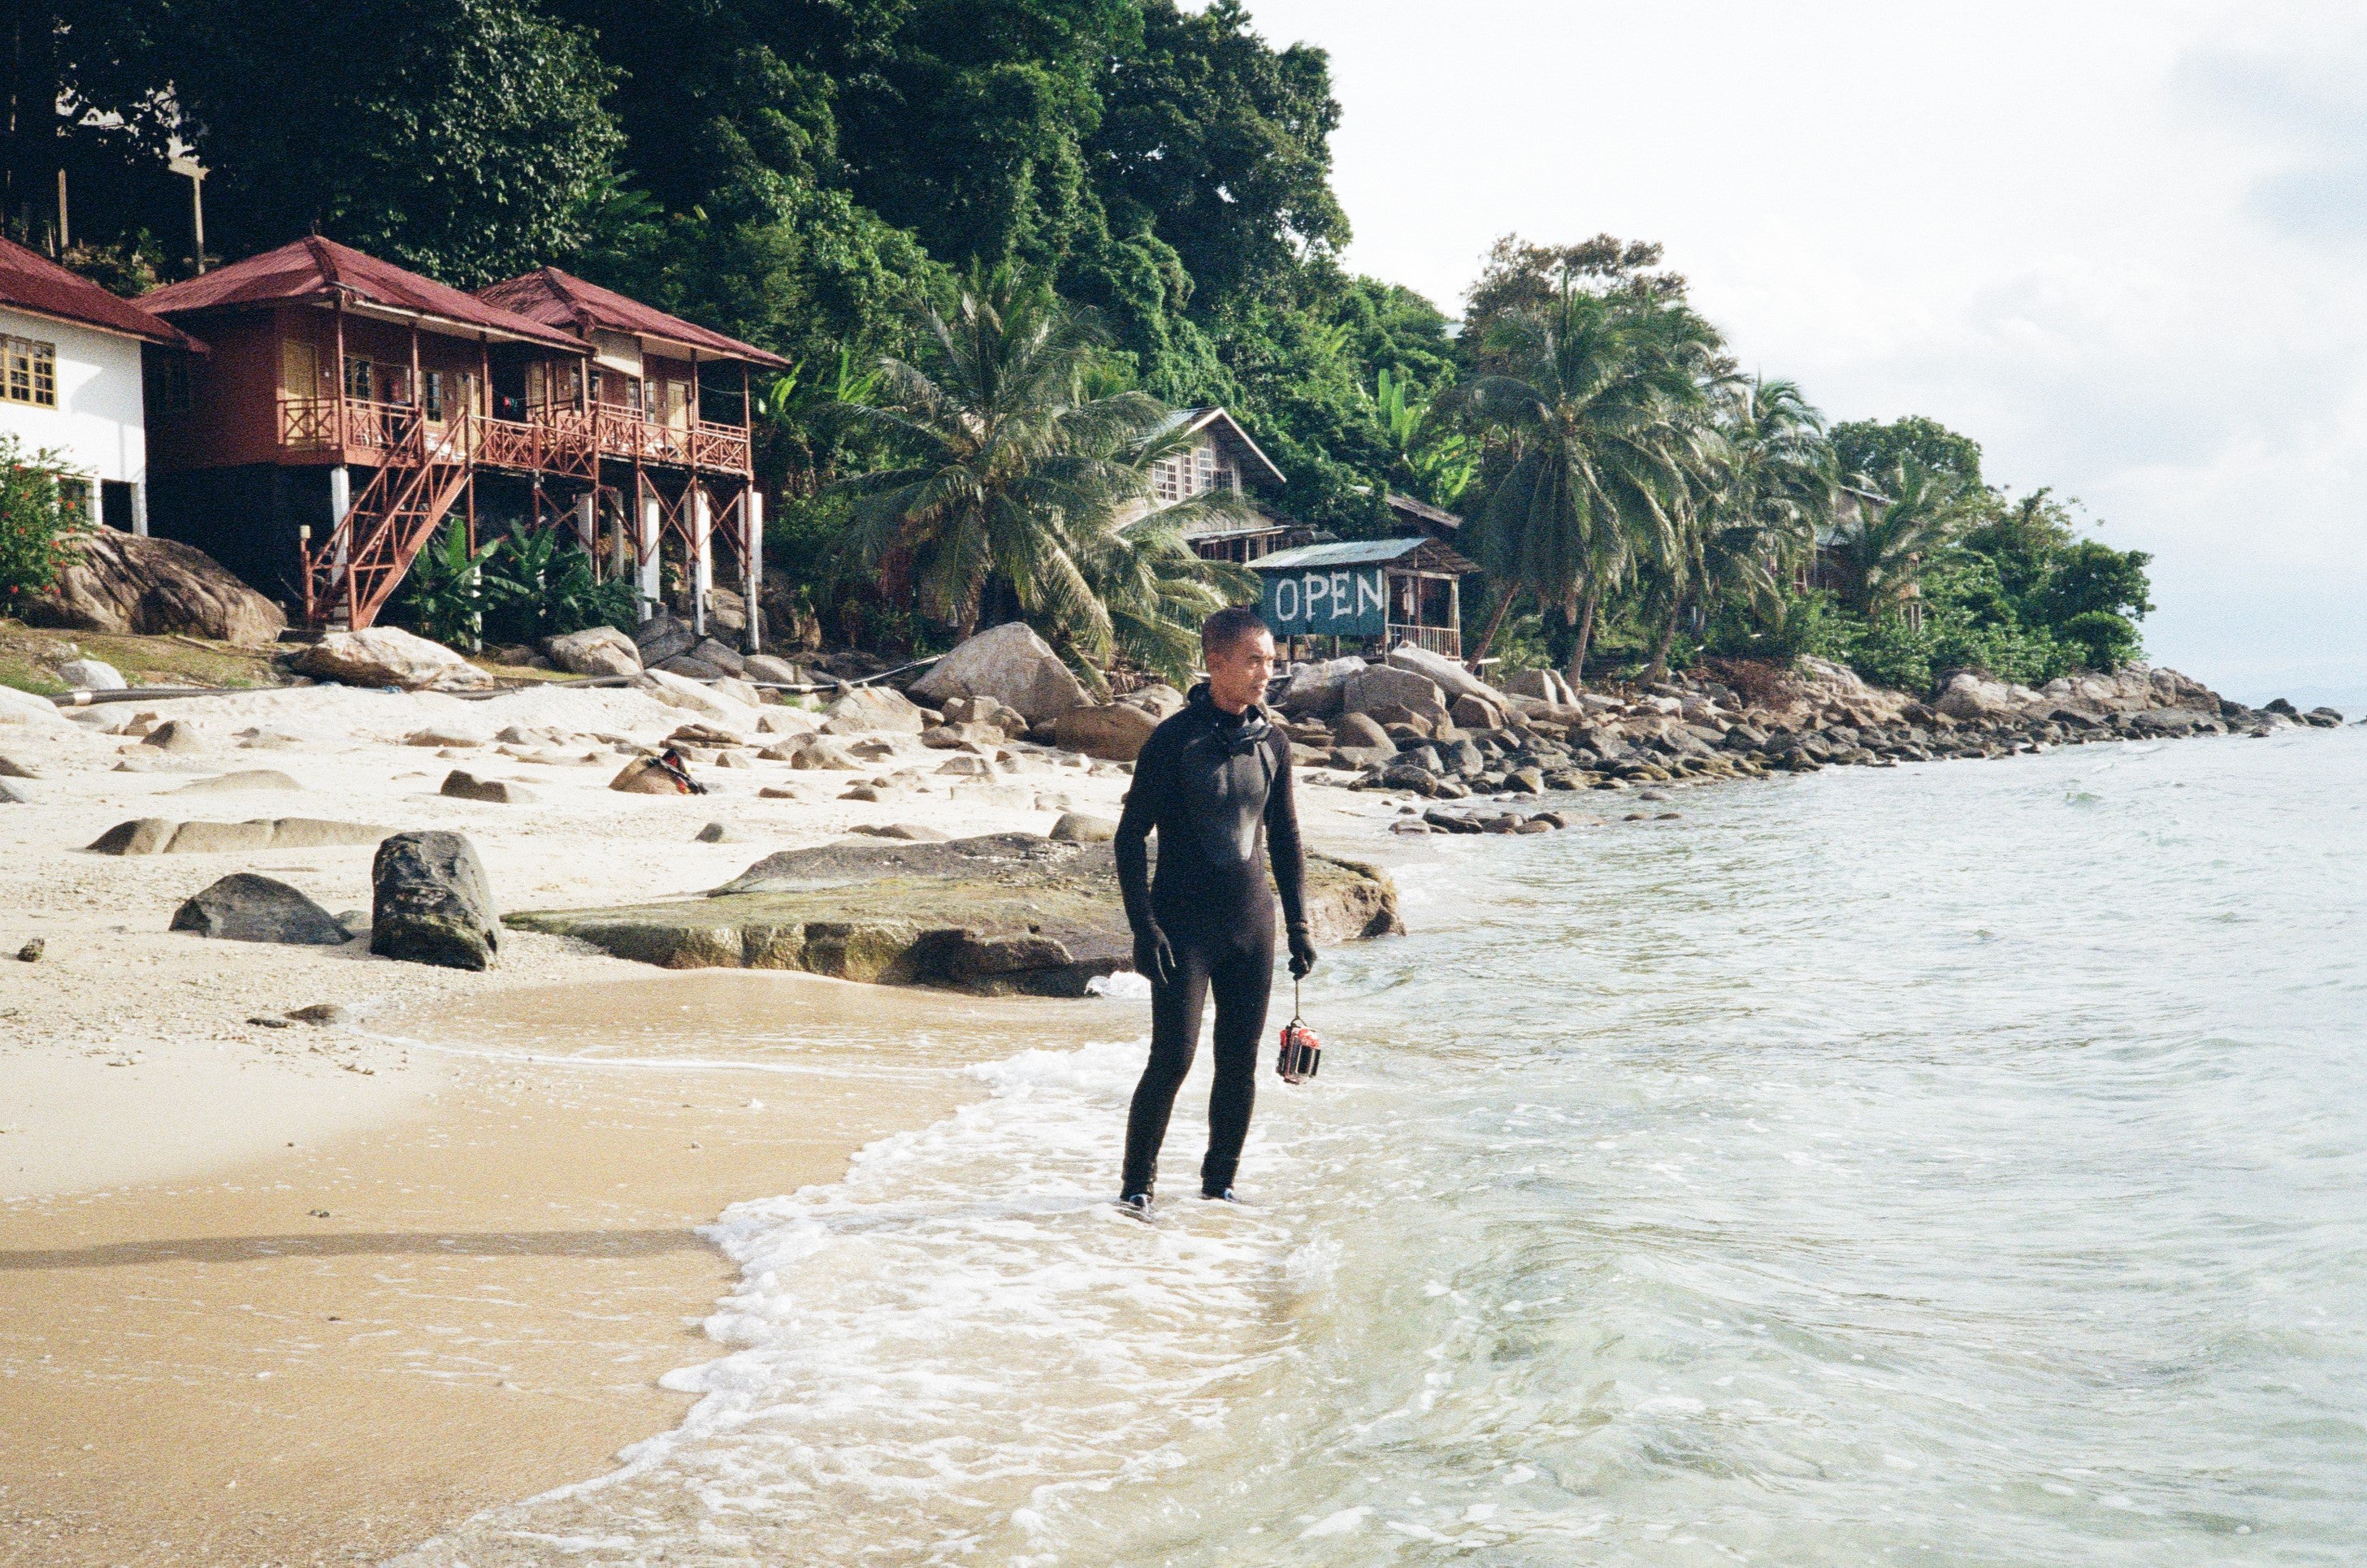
(1242,980)
(1175,1009)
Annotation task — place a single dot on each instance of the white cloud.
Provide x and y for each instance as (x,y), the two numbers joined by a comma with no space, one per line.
(2124,245)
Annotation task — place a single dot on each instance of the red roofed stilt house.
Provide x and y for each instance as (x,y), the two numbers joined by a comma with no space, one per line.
(670,400)
(350,407)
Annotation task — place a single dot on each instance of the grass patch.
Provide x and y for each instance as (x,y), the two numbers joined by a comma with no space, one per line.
(30,657)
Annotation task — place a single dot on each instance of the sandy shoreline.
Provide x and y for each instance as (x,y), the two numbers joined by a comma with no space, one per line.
(195,1364)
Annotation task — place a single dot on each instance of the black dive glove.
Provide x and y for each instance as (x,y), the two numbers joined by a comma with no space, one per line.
(1302,954)
(1154,960)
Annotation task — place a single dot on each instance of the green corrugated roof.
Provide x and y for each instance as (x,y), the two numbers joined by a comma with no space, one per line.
(1347,552)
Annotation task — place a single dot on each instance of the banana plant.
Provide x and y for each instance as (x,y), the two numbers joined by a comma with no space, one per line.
(445,593)
(1436,464)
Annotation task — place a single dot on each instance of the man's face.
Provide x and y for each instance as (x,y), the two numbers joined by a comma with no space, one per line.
(1238,674)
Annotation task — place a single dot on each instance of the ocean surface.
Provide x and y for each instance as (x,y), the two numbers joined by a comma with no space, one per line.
(1962,1164)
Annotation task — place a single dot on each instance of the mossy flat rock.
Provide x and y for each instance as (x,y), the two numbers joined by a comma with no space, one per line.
(1004,913)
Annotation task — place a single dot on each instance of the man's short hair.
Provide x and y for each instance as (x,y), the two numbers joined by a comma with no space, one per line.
(1221,631)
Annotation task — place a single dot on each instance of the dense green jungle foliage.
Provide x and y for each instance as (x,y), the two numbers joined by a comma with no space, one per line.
(820,177)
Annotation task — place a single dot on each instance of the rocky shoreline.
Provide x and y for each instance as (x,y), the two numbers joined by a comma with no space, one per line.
(1422,726)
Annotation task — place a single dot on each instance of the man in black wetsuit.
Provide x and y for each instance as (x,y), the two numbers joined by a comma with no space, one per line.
(1214,782)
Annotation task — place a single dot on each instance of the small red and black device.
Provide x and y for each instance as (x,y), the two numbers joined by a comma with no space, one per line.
(1302,1051)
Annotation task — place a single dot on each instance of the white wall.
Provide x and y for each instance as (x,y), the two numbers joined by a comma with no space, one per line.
(98,425)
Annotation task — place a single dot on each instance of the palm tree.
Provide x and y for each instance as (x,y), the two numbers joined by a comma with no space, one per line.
(1764,489)
(1021,485)
(1594,419)
(1882,554)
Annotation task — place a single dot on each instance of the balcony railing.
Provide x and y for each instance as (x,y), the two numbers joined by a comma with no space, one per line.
(313,424)
(656,441)
(559,440)
(562,445)
(1443,640)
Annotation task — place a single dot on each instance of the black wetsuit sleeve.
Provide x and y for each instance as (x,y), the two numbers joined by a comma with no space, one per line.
(1282,842)
(1145,807)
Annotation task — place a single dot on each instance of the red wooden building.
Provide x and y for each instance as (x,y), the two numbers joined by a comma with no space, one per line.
(350,407)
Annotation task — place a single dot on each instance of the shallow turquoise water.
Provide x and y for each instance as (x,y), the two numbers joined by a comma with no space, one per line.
(1964,1164)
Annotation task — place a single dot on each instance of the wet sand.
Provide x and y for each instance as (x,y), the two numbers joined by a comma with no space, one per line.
(329,1353)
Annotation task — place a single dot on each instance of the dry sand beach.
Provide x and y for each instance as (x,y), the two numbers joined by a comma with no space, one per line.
(308,1293)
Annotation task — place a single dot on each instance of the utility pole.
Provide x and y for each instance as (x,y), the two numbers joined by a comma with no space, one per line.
(182,162)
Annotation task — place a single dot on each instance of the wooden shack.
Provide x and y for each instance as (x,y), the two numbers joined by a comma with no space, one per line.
(1220,456)
(1364,596)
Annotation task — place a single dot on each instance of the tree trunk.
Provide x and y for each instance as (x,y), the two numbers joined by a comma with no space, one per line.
(1575,674)
(1659,670)
(1488,638)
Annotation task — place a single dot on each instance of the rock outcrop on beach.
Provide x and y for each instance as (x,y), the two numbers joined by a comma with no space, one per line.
(163,836)
(595,651)
(388,656)
(122,583)
(1010,664)
(1006,912)
(430,902)
(244,907)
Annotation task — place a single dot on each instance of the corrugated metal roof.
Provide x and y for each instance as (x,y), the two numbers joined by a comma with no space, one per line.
(1347,552)
(561,300)
(316,269)
(33,283)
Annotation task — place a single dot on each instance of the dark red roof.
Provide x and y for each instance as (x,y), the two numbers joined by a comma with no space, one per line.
(30,281)
(562,299)
(315,268)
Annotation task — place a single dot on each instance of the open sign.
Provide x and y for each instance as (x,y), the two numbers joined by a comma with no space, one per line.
(1342,601)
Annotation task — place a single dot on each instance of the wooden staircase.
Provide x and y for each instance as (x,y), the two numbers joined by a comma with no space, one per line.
(351,575)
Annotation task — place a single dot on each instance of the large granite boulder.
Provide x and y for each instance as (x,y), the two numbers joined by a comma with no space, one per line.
(1361,731)
(1113,733)
(244,907)
(388,656)
(594,651)
(1448,675)
(118,582)
(93,676)
(676,691)
(1386,686)
(1008,912)
(1971,699)
(430,902)
(869,708)
(1010,664)
(1315,690)
(1544,686)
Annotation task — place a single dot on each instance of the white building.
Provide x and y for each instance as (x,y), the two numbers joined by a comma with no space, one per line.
(69,381)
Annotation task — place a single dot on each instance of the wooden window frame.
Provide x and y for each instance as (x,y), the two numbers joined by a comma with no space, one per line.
(29,371)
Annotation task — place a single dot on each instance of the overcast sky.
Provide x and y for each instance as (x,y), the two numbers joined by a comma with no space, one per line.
(2122,245)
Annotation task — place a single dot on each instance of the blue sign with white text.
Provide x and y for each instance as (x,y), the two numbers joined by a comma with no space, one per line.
(1342,602)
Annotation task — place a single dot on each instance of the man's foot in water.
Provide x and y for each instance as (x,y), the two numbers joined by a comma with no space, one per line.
(1135,1204)
(1222,1195)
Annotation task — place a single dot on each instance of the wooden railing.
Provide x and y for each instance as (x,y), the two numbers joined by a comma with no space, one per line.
(1443,640)
(557,440)
(720,447)
(561,446)
(316,423)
